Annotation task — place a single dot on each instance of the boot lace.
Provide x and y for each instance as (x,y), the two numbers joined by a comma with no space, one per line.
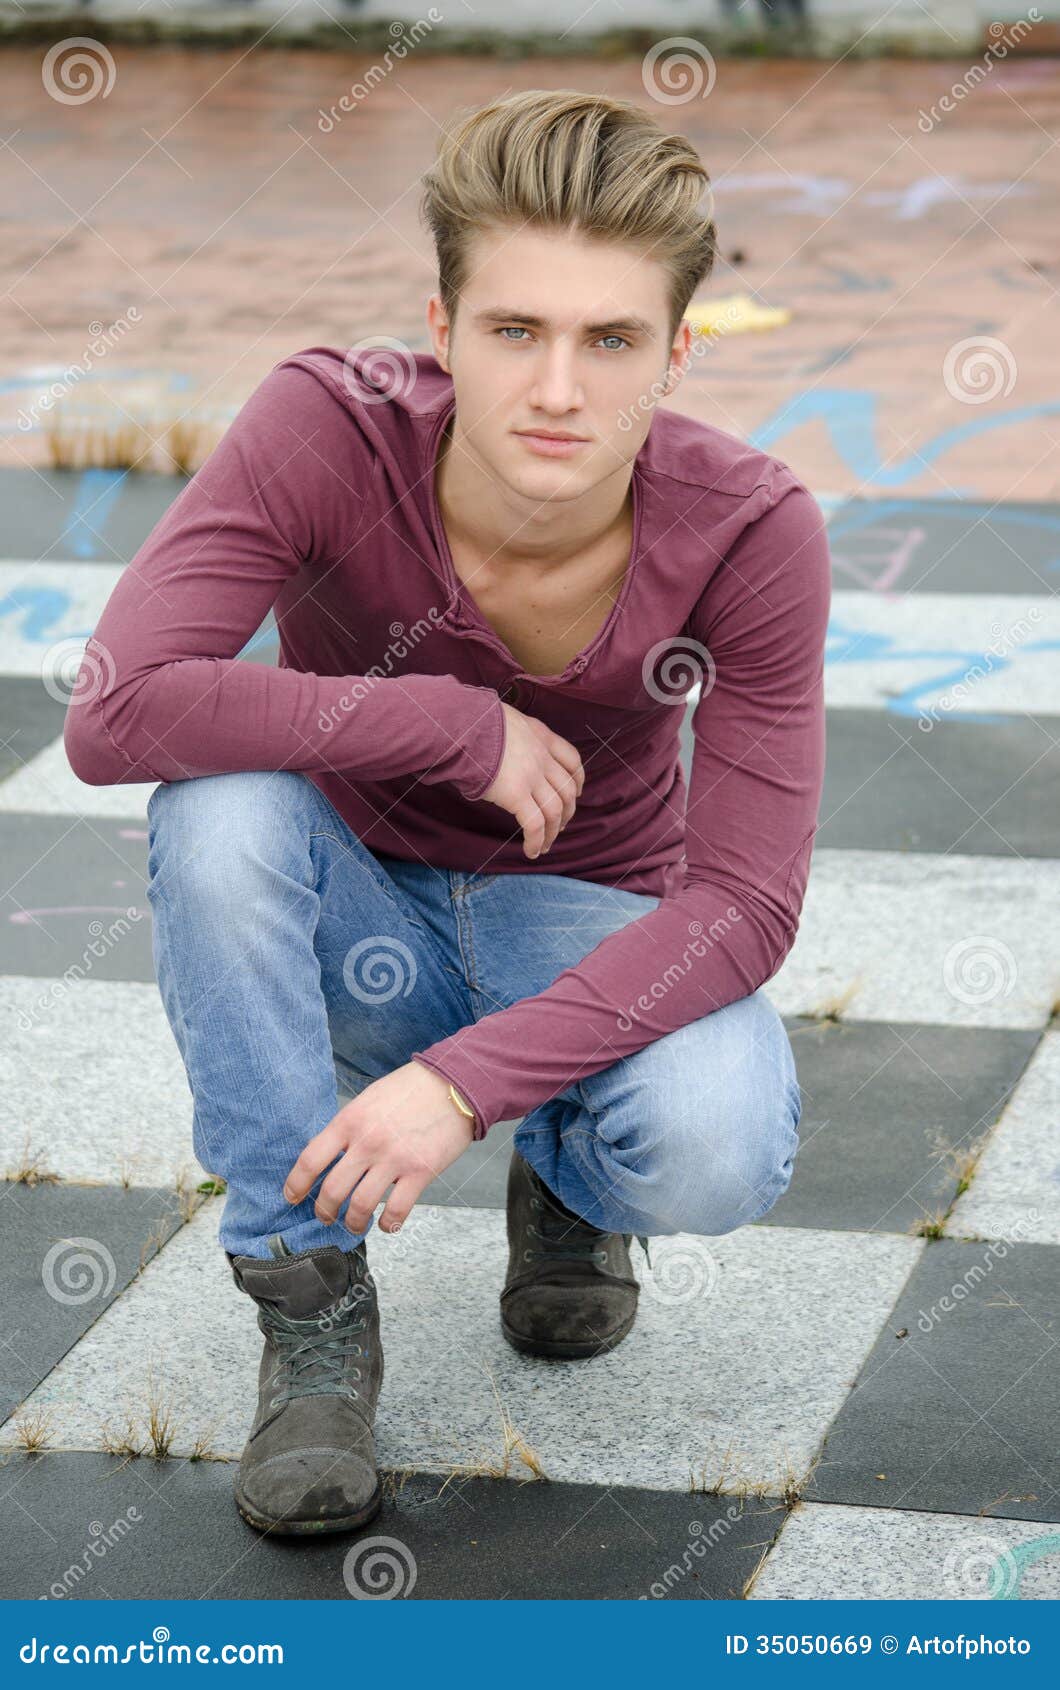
(315,1352)
(565,1239)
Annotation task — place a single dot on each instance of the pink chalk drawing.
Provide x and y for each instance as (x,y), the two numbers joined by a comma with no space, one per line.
(22,918)
(879,572)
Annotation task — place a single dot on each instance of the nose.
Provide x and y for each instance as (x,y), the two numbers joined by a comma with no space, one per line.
(557,389)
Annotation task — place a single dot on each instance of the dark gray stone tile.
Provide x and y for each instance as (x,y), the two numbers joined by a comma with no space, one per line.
(61,875)
(882,1106)
(91,516)
(960,1415)
(978,788)
(945,546)
(30,720)
(474,1539)
(69,1252)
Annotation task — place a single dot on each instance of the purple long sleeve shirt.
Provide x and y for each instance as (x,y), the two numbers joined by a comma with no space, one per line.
(320,503)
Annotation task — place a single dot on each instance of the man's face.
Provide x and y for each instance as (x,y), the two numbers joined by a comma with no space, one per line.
(559,334)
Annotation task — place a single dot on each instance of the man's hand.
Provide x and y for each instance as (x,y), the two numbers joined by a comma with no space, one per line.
(539,781)
(402,1130)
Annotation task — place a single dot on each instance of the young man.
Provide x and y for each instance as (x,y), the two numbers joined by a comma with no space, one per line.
(443,851)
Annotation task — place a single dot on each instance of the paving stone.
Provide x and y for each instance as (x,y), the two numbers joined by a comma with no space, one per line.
(47,786)
(69,1252)
(171,1528)
(888,1111)
(987,788)
(88,516)
(47,608)
(944,655)
(92,1083)
(69,885)
(960,1414)
(1016,1189)
(31,719)
(889,1554)
(944,546)
(956,940)
(749,1342)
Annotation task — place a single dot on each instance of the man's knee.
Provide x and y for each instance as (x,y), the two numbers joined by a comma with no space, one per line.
(721,1163)
(206,834)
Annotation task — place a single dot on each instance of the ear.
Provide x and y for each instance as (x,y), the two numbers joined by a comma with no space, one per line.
(438,327)
(680,354)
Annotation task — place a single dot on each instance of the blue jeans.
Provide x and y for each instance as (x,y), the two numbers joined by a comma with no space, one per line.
(295,964)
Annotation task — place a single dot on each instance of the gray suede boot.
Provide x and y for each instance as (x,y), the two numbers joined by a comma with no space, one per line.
(309,1463)
(570,1290)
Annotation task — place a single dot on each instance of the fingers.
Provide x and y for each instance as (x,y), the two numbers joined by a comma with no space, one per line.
(318,1154)
(367,1196)
(406,1192)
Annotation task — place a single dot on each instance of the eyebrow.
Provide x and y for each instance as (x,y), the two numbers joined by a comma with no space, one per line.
(613,325)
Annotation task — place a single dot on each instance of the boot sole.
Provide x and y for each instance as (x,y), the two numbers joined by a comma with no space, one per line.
(566,1350)
(312,1528)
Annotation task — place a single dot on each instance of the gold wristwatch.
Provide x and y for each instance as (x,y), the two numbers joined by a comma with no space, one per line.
(462,1105)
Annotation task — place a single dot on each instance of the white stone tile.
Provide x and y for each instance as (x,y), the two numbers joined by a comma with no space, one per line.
(743,1351)
(827,1550)
(1015,1192)
(48,786)
(953,654)
(963,941)
(91,1076)
(53,607)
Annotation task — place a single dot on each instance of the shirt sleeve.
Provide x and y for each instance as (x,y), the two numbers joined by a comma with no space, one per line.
(750,820)
(162,693)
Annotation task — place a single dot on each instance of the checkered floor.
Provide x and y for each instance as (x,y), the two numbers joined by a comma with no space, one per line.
(855,1397)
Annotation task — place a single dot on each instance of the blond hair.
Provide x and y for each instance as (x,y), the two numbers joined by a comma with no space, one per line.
(564,159)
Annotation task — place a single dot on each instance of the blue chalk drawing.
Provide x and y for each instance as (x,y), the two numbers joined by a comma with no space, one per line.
(41,609)
(97,496)
(845,644)
(849,416)
(1009,1568)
